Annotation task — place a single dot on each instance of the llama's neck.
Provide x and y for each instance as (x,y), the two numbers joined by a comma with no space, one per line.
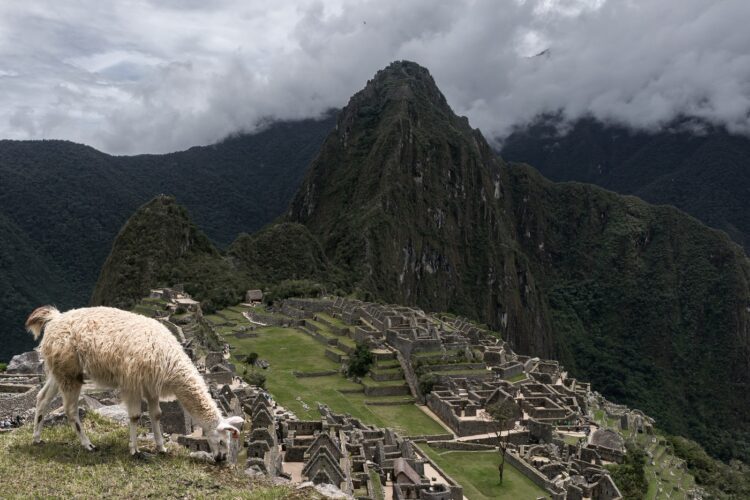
(193,395)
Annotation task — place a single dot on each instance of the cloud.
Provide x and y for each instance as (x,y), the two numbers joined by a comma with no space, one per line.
(161,75)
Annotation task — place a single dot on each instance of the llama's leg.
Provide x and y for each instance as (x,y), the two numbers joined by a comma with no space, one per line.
(154,411)
(70,393)
(43,399)
(133,405)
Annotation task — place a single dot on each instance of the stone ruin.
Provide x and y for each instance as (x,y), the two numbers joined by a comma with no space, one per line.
(474,368)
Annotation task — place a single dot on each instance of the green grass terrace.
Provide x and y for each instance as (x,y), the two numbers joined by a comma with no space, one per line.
(289,350)
(477,472)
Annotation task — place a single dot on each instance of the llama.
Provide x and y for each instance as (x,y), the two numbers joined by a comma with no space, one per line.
(123,350)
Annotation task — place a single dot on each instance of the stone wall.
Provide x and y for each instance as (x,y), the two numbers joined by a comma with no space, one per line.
(462,446)
(388,390)
(530,472)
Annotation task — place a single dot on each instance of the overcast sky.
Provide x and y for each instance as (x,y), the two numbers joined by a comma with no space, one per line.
(161,75)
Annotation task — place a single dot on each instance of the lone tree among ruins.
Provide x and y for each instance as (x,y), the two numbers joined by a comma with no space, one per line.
(504,413)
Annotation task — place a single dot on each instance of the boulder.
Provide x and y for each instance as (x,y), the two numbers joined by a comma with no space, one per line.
(27,362)
(118,413)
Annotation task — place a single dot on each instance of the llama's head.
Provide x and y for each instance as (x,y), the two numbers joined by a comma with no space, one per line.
(219,438)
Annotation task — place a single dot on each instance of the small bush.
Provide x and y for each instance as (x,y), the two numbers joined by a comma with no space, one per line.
(3,367)
(251,358)
(427,382)
(360,361)
(256,378)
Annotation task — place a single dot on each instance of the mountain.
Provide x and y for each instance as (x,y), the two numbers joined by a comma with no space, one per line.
(160,246)
(62,204)
(644,301)
(701,169)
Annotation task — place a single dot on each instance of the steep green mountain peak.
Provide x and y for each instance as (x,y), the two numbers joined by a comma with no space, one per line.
(160,246)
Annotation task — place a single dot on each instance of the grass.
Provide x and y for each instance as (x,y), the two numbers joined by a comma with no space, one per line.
(334,321)
(60,468)
(516,378)
(288,349)
(214,319)
(476,471)
(458,373)
(379,494)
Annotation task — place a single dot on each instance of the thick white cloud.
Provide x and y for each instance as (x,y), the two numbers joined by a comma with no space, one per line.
(161,75)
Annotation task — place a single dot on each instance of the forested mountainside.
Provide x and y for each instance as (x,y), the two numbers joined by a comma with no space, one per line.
(62,204)
(700,169)
(643,300)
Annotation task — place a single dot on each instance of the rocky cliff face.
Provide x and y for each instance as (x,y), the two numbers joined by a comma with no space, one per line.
(644,301)
(413,204)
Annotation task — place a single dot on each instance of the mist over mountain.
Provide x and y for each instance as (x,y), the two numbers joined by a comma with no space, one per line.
(698,168)
(62,204)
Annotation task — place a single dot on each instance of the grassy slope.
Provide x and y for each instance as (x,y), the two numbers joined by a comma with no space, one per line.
(476,471)
(60,468)
(288,349)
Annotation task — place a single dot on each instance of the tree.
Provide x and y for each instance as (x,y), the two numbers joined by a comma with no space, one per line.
(504,413)
(251,359)
(360,361)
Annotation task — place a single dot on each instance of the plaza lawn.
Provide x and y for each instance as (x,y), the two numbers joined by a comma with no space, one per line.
(288,349)
(476,471)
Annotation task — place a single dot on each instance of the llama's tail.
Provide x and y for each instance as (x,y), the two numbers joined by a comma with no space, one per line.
(40,317)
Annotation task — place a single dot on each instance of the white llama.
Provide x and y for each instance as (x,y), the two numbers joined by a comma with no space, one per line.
(122,350)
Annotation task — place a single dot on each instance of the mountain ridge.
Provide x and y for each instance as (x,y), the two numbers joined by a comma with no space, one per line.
(69,200)
(409,200)
(704,173)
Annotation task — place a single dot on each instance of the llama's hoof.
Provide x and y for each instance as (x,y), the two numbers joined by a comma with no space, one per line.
(142,455)
(162,451)
(91,447)
(38,442)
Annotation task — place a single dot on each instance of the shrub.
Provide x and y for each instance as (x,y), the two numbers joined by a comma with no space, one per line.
(427,382)
(251,358)
(256,378)
(3,367)
(630,475)
(360,361)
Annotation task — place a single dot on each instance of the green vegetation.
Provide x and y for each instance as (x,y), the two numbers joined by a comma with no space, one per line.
(671,167)
(642,301)
(630,475)
(255,378)
(3,367)
(159,246)
(68,202)
(476,471)
(61,468)
(426,382)
(359,362)
(504,413)
(730,480)
(517,378)
(375,479)
(289,350)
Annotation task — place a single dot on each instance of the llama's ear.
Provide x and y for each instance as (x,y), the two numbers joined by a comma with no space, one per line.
(235,421)
(233,431)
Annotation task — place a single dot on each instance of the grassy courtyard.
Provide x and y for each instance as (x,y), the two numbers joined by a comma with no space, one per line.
(288,350)
(476,471)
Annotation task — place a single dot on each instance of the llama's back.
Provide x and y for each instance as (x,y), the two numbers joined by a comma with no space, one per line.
(113,347)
